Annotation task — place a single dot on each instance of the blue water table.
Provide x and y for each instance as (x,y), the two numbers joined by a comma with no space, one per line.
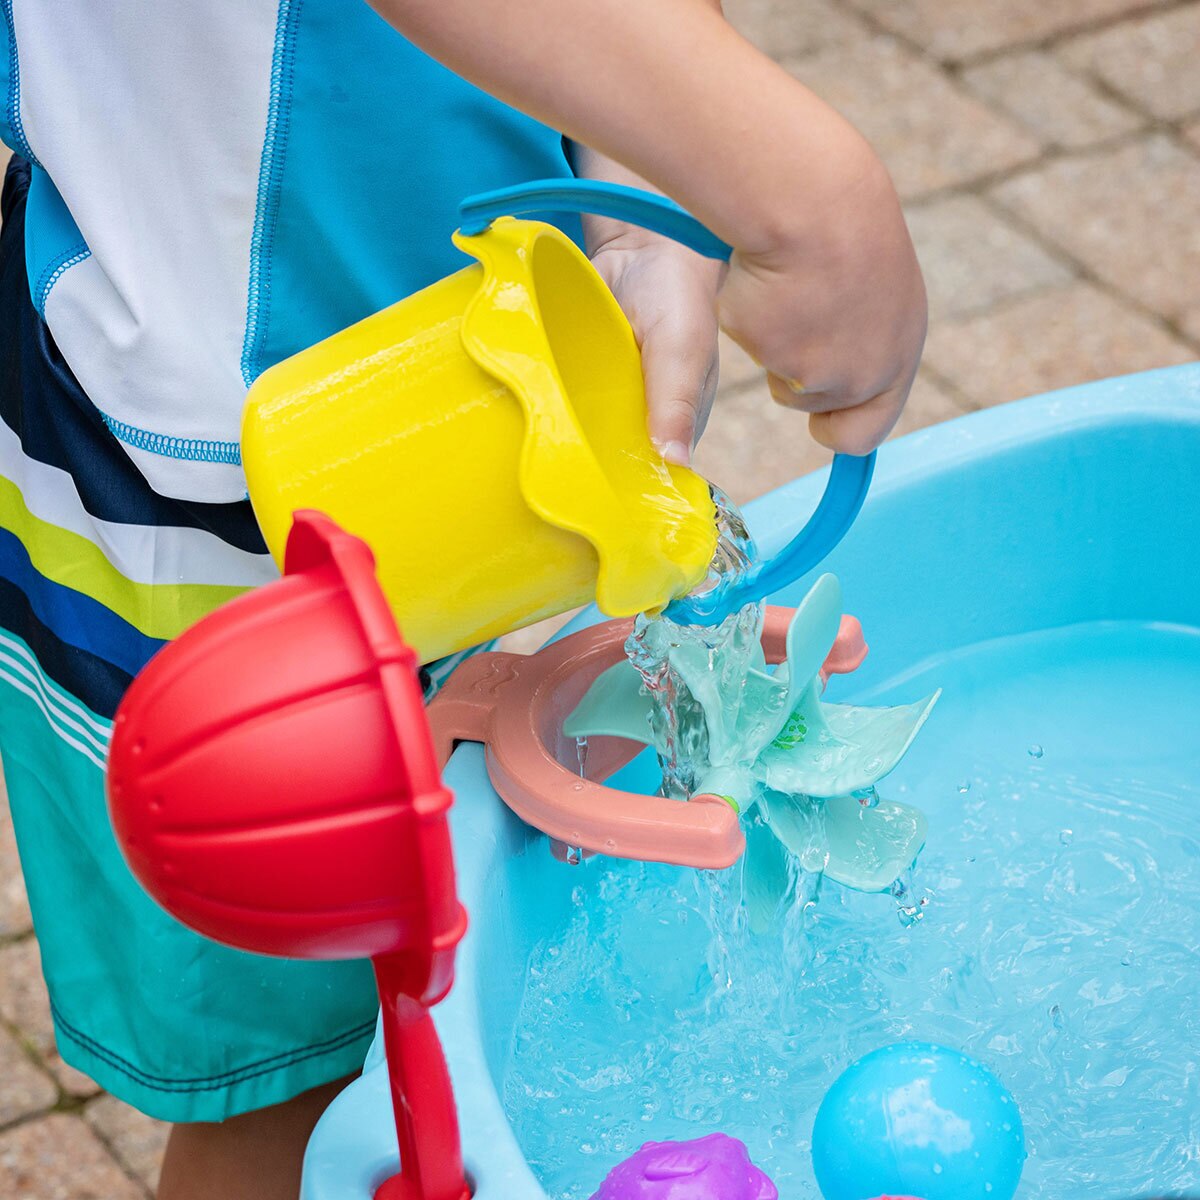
(1041,562)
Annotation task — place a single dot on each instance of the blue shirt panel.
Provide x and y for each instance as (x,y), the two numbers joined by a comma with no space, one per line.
(376,144)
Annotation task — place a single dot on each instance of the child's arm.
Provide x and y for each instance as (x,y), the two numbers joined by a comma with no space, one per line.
(824,288)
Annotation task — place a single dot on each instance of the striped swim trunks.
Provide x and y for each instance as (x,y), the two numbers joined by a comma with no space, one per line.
(96,572)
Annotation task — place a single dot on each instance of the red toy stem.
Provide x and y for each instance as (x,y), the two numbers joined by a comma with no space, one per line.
(431,1166)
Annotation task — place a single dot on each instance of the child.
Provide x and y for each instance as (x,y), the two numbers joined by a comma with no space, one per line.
(202,189)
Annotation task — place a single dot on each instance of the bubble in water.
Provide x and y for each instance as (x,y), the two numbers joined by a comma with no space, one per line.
(964,787)
(1035,751)
(867,797)
(909,908)
(1066,836)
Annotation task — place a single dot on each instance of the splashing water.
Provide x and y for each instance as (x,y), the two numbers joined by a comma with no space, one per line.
(678,717)
(1059,949)
(720,726)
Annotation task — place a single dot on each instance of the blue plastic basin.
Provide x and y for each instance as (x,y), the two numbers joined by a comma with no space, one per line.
(1061,511)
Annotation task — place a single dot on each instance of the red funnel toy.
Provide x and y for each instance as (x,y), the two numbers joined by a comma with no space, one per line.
(273,785)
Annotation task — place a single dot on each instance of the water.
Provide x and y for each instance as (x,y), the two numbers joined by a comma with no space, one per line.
(1058,943)
(679,718)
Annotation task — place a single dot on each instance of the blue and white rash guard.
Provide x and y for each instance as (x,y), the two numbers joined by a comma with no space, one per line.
(220,183)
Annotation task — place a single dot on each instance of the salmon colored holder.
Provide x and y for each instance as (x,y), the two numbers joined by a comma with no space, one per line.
(516,706)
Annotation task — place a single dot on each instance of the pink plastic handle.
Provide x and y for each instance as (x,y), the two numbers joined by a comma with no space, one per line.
(516,706)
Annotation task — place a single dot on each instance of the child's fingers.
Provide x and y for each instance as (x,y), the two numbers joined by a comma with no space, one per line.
(679,361)
(841,423)
(860,429)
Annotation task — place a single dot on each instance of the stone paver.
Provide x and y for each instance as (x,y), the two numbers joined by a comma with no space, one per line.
(25,1004)
(23,1088)
(929,403)
(14,906)
(794,27)
(737,367)
(1155,62)
(972,258)
(137,1141)
(955,30)
(930,131)
(1063,336)
(753,444)
(60,1158)
(1051,102)
(1190,324)
(1130,214)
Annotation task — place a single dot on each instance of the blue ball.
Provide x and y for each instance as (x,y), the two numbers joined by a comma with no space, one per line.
(917,1119)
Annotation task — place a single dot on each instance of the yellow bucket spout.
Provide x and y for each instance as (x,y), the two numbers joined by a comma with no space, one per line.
(487,438)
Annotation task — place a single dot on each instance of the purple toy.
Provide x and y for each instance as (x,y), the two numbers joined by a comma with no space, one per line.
(715,1167)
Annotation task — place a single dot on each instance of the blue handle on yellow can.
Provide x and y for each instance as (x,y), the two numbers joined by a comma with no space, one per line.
(849,476)
(656,213)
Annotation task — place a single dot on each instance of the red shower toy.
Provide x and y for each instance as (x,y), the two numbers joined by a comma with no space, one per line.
(273,785)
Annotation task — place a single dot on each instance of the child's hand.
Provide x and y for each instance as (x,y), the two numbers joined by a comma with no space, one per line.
(834,307)
(824,290)
(669,294)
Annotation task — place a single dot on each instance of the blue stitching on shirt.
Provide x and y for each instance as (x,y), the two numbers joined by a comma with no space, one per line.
(14,88)
(54,270)
(188,449)
(266,209)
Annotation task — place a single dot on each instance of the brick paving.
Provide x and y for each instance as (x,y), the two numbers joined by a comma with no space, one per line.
(1049,159)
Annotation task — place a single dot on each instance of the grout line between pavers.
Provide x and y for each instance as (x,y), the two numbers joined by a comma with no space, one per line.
(947,385)
(1085,273)
(25,1119)
(64,1105)
(114,1153)
(30,1118)
(28,1047)
(1051,145)
(954,63)
(979,185)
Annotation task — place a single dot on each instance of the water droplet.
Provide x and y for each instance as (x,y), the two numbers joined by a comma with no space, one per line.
(1035,751)
(867,797)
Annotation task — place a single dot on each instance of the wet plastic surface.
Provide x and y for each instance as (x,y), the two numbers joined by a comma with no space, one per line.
(1072,510)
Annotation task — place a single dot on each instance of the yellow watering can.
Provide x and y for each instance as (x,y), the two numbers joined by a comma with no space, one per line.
(487,438)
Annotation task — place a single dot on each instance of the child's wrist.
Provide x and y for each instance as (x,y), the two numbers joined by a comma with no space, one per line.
(810,193)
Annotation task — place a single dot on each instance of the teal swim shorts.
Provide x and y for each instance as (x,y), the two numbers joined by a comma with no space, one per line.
(96,572)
